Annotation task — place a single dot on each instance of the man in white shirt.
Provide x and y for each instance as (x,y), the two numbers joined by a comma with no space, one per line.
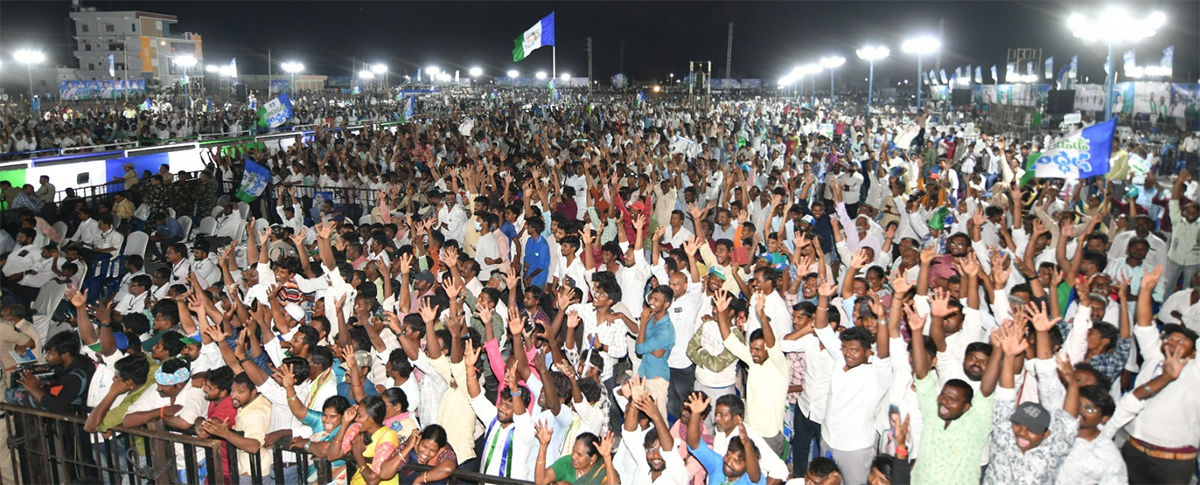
(857,385)
(487,249)
(509,437)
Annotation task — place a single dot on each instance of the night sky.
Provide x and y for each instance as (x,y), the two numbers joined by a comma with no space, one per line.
(770,38)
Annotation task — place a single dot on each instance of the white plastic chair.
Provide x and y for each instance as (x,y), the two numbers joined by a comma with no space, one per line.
(260,225)
(185,223)
(244,210)
(222,200)
(208,226)
(60,227)
(217,210)
(136,244)
(171,212)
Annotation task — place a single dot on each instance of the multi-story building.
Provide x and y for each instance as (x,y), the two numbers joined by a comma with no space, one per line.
(141,44)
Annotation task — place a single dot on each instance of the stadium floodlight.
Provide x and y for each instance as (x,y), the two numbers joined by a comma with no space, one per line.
(1114,26)
(29,57)
(366,74)
(513,73)
(379,68)
(919,47)
(832,63)
(540,75)
(871,54)
(475,71)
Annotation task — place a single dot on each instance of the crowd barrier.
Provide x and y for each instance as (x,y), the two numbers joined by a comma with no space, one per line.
(50,448)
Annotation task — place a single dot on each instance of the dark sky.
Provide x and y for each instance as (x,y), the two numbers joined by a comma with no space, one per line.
(770,38)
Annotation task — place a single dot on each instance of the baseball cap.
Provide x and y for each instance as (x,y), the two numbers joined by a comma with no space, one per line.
(637,205)
(1033,416)
(715,271)
(808,219)
(191,340)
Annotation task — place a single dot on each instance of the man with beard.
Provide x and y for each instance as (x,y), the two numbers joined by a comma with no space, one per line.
(655,453)
(217,387)
(739,464)
(950,452)
(249,430)
(509,437)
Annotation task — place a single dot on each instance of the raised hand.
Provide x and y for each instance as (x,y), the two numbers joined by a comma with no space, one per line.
(899,282)
(939,303)
(1012,339)
(827,288)
(1039,317)
(915,321)
(696,403)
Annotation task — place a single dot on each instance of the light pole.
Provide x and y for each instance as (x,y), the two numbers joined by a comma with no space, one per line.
(30,57)
(919,47)
(293,68)
(380,71)
(186,62)
(433,73)
(475,72)
(831,63)
(872,54)
(1114,26)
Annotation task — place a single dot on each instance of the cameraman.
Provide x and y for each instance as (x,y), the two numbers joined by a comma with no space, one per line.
(69,384)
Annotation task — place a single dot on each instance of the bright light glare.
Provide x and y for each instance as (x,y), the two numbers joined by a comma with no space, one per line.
(657,88)
(921,45)
(379,68)
(293,67)
(431,70)
(565,77)
(513,73)
(541,75)
(27,56)
(366,74)
(211,68)
(227,71)
(832,62)
(185,61)
(476,72)
(873,53)
(1114,25)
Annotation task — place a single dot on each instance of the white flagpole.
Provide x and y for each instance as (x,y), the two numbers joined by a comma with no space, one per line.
(554,61)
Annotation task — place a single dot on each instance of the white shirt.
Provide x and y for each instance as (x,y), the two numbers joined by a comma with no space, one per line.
(768,461)
(523,441)
(22,259)
(1181,301)
(684,312)
(675,472)
(777,312)
(853,394)
(486,248)
(1170,419)
(818,369)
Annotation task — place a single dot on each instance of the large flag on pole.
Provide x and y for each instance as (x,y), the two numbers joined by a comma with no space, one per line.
(541,34)
(1080,154)
(254,181)
(276,112)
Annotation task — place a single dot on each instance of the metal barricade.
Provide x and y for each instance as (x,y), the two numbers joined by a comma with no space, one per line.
(47,447)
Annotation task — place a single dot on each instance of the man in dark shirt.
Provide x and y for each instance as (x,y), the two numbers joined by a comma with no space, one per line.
(68,386)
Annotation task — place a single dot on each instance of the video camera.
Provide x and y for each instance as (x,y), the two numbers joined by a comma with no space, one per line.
(41,371)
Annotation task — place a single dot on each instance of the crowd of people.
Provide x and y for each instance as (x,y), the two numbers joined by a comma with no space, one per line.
(99,125)
(611,291)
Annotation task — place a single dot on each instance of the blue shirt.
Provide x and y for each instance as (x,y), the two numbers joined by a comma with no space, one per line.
(509,231)
(169,229)
(660,334)
(714,464)
(537,256)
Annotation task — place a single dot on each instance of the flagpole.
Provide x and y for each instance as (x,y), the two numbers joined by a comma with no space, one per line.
(554,61)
